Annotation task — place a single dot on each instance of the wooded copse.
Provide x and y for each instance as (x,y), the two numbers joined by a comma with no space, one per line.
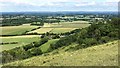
(95,34)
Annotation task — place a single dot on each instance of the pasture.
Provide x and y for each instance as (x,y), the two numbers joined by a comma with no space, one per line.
(61,30)
(45,46)
(22,40)
(61,27)
(74,24)
(41,30)
(15,30)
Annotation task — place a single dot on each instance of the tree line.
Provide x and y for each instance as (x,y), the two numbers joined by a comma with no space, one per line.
(23,52)
(97,33)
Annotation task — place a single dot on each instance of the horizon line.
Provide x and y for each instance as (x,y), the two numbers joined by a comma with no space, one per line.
(58,11)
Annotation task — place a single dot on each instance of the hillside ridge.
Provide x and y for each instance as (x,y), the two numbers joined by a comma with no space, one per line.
(101,55)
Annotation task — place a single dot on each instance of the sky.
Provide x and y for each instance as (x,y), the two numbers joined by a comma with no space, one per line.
(57,5)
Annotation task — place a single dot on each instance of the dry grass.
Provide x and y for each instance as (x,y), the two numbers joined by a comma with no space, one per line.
(62,30)
(41,30)
(74,24)
(61,27)
(102,55)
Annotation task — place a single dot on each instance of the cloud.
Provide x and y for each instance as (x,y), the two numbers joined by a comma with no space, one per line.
(85,4)
(54,5)
(112,0)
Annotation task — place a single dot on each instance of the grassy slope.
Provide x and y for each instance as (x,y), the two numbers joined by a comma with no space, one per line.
(45,46)
(102,55)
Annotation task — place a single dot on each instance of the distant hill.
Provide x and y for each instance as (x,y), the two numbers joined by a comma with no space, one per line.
(60,13)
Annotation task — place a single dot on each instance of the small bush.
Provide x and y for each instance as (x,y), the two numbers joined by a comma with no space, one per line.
(56,36)
(89,42)
(43,40)
(35,51)
(29,46)
(105,39)
(113,34)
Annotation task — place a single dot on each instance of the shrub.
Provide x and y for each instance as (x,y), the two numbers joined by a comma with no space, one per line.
(42,36)
(89,41)
(105,39)
(79,40)
(35,51)
(43,40)
(56,36)
(6,57)
(113,34)
(29,46)
(36,44)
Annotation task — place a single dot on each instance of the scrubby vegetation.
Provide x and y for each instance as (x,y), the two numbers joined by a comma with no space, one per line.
(17,41)
(16,21)
(37,23)
(101,55)
(23,52)
(97,33)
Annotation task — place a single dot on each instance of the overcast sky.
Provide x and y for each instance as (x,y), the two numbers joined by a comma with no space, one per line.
(58,5)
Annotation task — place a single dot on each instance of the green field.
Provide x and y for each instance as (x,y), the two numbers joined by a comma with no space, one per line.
(45,46)
(22,40)
(13,30)
(61,27)
(52,28)
(41,30)
(102,55)
(61,30)
(74,24)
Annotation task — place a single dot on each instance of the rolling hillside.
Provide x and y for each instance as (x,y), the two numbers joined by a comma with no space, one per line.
(100,55)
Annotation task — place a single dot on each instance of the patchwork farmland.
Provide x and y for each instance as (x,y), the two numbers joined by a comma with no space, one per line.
(61,27)
(59,39)
(26,39)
